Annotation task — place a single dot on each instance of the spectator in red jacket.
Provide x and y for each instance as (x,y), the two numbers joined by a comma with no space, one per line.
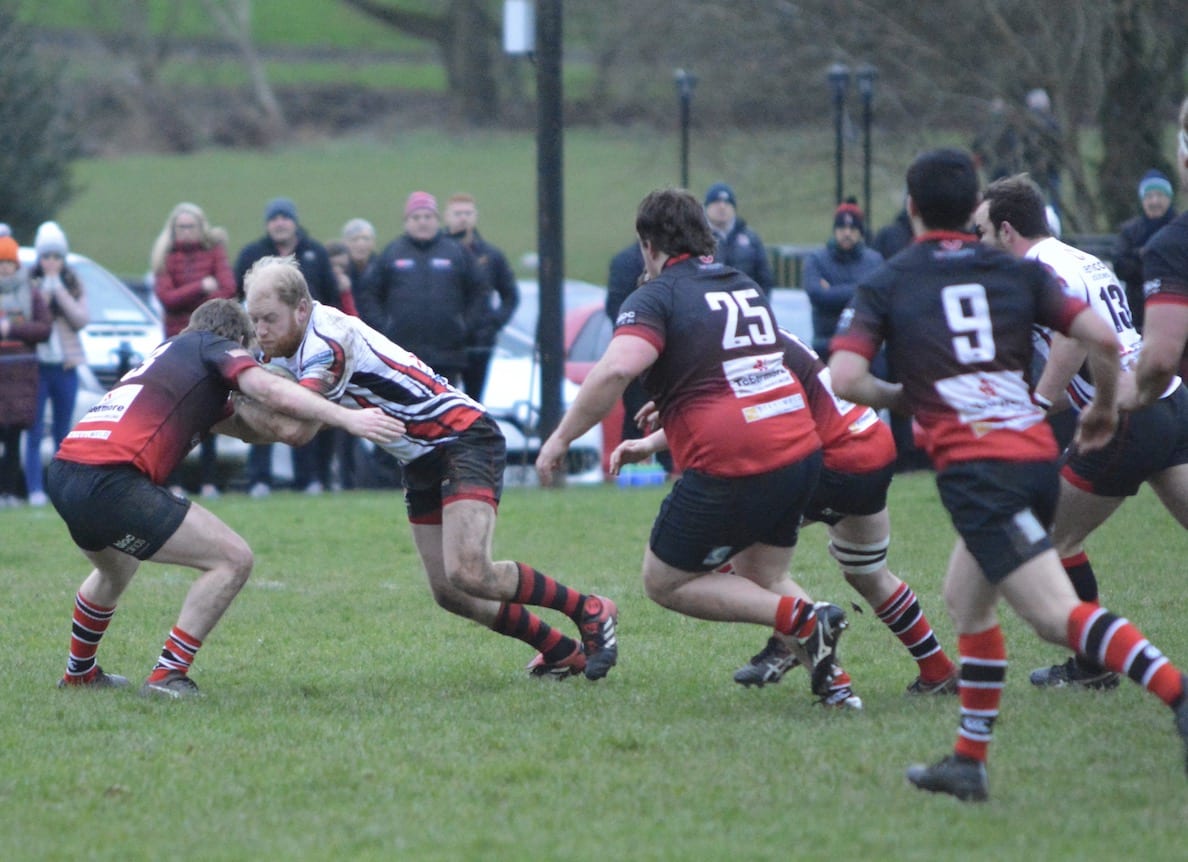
(189,266)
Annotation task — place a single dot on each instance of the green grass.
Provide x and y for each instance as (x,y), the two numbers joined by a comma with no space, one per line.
(346,717)
(784,188)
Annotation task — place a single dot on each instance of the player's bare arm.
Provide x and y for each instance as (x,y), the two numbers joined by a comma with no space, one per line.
(252,422)
(1165,333)
(852,380)
(1065,359)
(636,450)
(1099,419)
(287,397)
(626,357)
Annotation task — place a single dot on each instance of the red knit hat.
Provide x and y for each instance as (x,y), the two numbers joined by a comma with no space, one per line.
(420,201)
(848,215)
(9,250)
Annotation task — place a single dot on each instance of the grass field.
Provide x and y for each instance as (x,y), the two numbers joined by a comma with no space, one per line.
(346,717)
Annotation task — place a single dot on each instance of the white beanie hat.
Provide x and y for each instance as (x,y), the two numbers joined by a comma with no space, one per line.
(50,238)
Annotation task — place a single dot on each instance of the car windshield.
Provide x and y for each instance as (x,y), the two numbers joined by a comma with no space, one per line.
(108,300)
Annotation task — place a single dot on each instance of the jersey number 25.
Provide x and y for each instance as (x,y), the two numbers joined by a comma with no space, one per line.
(759,327)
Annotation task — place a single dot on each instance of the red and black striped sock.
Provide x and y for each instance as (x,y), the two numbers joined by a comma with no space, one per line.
(902,614)
(795,617)
(537,588)
(89,623)
(1118,645)
(983,676)
(177,654)
(516,621)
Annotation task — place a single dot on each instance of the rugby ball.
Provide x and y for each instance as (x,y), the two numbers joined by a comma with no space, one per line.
(279,370)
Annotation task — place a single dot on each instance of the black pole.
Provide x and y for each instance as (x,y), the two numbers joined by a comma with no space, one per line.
(866,78)
(685,83)
(839,81)
(550,248)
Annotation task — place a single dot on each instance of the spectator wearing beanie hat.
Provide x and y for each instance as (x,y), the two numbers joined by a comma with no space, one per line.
(426,292)
(1155,195)
(284,237)
(25,322)
(832,272)
(738,245)
(59,356)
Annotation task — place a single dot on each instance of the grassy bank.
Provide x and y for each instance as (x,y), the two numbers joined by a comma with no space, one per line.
(784,183)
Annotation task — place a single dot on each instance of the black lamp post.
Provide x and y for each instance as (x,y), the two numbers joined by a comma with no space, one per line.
(839,82)
(866,76)
(685,82)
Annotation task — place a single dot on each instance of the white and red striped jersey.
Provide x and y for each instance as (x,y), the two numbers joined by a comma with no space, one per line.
(347,361)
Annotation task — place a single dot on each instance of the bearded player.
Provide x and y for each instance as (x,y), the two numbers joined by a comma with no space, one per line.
(453,457)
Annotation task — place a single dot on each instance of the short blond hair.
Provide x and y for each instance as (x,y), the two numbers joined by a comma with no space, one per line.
(282,275)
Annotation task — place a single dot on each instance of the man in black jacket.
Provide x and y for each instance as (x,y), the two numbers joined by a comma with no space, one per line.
(461,222)
(738,245)
(1155,197)
(425,291)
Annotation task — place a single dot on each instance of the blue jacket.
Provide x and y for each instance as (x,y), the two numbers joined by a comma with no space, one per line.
(829,278)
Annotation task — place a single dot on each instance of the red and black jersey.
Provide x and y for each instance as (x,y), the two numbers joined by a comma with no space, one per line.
(853,438)
(159,411)
(1165,270)
(728,403)
(956,317)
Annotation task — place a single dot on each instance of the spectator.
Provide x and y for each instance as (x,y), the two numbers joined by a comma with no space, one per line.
(283,237)
(998,146)
(1043,147)
(737,245)
(893,238)
(59,356)
(425,291)
(339,254)
(627,273)
(461,222)
(359,236)
(1155,198)
(832,272)
(24,323)
(189,266)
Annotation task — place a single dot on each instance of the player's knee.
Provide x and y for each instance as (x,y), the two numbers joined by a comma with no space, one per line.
(473,575)
(240,561)
(859,559)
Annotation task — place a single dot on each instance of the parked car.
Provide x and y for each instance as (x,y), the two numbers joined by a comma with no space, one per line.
(513,394)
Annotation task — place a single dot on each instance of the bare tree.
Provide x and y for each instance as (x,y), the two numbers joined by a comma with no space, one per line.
(234,20)
(467,34)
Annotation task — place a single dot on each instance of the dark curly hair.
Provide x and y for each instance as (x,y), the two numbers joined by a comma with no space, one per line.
(674,222)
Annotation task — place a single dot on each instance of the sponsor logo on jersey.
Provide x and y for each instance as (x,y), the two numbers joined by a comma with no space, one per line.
(404,263)
(441,263)
(112,406)
(753,375)
(788,404)
(625,318)
(1152,286)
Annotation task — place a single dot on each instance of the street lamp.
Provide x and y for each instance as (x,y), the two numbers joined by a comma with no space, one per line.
(685,82)
(839,82)
(866,76)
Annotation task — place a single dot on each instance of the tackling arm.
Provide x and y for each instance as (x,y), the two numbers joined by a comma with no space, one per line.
(1065,359)
(852,380)
(1099,419)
